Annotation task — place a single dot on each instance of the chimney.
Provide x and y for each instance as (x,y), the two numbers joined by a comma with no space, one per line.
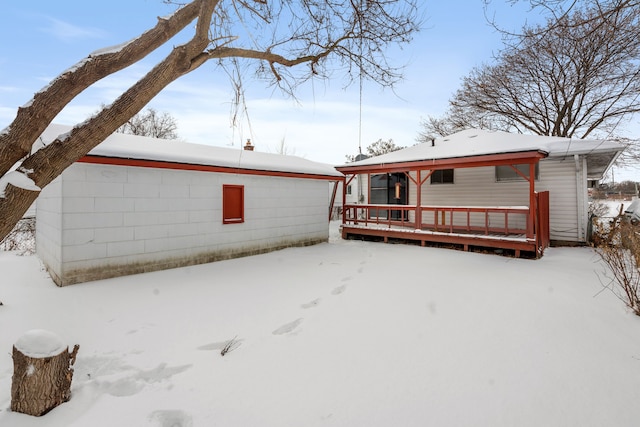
(248,146)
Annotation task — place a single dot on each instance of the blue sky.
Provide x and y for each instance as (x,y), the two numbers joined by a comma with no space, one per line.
(43,38)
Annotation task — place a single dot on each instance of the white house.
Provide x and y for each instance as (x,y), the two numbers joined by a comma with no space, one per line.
(137,204)
(474,188)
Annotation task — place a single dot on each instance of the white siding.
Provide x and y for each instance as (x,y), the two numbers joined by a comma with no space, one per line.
(359,187)
(559,178)
(478,187)
(115,220)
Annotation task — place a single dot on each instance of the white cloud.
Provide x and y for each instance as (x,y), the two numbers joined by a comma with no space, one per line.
(323,127)
(321,130)
(66,31)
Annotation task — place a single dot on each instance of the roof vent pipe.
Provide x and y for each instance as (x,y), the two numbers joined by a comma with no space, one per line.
(433,142)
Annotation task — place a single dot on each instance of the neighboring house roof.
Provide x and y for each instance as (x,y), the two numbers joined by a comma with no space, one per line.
(478,143)
(124,146)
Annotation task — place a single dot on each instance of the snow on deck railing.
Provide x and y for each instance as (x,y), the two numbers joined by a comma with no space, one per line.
(471,219)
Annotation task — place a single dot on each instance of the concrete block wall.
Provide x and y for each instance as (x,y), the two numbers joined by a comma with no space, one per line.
(49,227)
(117,220)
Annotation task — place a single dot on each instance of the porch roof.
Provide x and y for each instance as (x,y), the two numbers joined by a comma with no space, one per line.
(475,147)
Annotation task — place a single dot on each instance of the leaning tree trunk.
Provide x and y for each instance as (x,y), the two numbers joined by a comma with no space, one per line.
(44,165)
(13,205)
(42,373)
(35,116)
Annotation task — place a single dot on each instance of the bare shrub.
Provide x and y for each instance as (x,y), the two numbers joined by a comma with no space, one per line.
(599,209)
(22,238)
(618,244)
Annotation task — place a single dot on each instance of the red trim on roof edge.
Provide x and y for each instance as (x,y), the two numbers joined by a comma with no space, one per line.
(158,164)
(448,163)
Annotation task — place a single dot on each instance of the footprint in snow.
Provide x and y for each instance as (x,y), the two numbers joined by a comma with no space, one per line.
(311,304)
(171,419)
(339,290)
(288,327)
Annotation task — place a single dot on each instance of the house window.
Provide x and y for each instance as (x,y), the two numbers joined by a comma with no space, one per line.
(442,176)
(232,204)
(507,173)
(349,189)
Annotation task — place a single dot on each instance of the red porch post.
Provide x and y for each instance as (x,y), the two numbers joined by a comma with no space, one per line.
(532,200)
(344,198)
(418,201)
(333,198)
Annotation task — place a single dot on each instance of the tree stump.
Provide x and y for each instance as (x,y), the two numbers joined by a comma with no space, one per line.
(42,372)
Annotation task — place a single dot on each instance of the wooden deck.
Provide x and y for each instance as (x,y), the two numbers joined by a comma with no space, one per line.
(467,227)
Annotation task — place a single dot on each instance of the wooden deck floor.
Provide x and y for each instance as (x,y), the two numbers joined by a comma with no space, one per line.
(518,243)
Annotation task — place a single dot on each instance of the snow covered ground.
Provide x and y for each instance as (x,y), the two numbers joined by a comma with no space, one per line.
(346,333)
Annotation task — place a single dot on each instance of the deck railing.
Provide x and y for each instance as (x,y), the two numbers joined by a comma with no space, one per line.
(486,220)
(379,214)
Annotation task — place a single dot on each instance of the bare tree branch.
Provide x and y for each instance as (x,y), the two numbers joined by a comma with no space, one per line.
(151,123)
(276,37)
(32,119)
(573,77)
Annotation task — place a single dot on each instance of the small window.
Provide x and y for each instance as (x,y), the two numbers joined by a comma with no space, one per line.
(442,176)
(349,189)
(507,173)
(232,204)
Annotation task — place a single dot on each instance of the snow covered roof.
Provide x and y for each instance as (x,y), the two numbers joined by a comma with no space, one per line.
(476,142)
(126,146)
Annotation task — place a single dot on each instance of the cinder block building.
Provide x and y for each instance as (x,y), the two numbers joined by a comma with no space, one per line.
(137,204)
